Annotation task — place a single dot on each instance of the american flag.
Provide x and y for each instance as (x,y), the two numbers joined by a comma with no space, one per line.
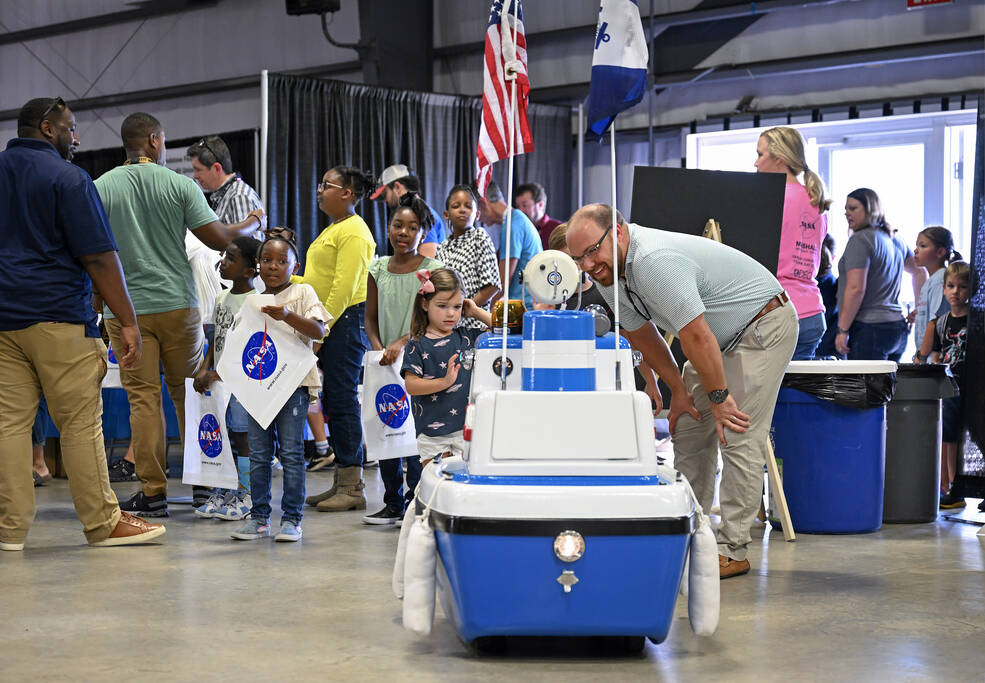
(494,135)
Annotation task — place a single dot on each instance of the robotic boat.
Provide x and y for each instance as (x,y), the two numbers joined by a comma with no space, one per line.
(560,519)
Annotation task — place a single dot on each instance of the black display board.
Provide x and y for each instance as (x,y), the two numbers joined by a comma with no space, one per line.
(747,206)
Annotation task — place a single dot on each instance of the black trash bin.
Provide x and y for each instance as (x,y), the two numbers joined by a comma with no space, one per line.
(913,444)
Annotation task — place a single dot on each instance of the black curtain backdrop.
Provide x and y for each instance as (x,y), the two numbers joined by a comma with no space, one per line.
(241,143)
(316,124)
(972,478)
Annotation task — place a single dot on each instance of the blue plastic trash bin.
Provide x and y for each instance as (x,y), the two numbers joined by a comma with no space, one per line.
(832,458)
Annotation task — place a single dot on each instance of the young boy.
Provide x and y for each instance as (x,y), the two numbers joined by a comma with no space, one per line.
(239,264)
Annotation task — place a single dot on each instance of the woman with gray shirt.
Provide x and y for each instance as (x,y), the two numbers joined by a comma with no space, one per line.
(871,325)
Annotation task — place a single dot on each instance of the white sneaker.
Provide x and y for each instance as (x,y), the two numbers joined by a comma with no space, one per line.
(234,508)
(209,509)
(11,546)
(276,466)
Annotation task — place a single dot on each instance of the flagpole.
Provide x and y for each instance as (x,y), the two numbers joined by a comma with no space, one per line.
(615,250)
(510,74)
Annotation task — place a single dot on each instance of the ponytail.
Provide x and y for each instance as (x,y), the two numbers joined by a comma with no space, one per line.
(942,239)
(787,145)
(360,182)
(815,190)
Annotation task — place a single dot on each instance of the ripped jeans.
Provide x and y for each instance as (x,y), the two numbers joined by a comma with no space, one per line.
(289,429)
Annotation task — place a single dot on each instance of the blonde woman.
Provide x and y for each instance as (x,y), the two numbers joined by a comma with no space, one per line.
(781,150)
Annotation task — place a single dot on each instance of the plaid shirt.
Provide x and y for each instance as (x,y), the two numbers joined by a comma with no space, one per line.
(233,200)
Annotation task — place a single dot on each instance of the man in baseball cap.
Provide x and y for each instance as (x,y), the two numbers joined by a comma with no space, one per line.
(395,182)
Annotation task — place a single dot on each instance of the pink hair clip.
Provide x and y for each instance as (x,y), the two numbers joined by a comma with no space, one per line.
(427,287)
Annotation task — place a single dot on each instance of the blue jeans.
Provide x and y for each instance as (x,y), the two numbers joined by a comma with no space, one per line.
(392,475)
(289,428)
(341,357)
(40,429)
(811,330)
(877,341)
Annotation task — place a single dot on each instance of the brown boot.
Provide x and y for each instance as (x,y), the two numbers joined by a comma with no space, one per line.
(324,495)
(348,491)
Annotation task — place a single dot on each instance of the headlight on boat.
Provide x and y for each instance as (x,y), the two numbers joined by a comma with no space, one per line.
(569,546)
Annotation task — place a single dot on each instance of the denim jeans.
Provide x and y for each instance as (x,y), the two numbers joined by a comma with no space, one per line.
(877,341)
(811,330)
(289,428)
(392,475)
(341,358)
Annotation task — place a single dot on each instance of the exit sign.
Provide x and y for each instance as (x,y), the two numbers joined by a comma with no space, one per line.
(916,4)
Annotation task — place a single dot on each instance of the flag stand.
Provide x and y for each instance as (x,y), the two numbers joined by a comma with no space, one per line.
(615,251)
(510,75)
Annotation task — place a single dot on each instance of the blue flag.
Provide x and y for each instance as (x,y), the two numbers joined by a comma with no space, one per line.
(618,66)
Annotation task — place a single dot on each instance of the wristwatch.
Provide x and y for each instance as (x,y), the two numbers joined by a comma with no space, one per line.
(718,395)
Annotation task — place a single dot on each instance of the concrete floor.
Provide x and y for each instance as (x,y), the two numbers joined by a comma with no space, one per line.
(907,602)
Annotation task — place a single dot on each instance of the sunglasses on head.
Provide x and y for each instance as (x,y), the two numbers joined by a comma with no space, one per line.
(58,104)
(215,157)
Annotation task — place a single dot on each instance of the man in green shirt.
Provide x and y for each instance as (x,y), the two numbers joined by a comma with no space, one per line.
(149,209)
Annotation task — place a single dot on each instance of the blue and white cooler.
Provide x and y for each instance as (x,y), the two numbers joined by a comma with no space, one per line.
(559,521)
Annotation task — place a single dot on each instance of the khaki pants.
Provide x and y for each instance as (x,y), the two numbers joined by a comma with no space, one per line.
(175,340)
(754,370)
(58,359)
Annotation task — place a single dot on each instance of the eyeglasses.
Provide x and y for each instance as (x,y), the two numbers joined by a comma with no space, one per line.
(215,157)
(591,252)
(324,185)
(59,104)
(637,303)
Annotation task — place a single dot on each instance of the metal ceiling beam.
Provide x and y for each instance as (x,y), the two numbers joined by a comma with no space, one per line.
(146,10)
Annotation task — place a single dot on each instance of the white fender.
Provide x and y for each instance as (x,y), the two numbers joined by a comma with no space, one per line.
(419,578)
(398,563)
(704,585)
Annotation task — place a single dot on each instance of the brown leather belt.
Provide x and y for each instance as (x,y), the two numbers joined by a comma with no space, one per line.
(772,304)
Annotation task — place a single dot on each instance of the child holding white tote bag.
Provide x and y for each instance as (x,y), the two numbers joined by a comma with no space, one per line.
(391,287)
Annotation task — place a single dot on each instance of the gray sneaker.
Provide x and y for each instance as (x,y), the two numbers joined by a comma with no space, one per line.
(289,532)
(252,530)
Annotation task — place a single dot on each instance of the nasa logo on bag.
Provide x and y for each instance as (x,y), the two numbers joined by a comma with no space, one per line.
(209,436)
(259,356)
(392,405)
(111,356)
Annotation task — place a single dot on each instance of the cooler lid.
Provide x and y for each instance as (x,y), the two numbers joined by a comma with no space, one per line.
(840,367)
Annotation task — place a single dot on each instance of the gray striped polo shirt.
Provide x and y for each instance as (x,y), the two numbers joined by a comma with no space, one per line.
(678,277)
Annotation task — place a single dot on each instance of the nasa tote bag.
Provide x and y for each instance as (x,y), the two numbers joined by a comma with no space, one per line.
(208,456)
(388,426)
(263,363)
(111,380)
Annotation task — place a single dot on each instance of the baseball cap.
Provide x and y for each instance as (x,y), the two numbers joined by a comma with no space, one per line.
(389,175)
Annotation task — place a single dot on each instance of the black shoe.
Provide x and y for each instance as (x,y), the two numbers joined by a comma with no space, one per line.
(320,462)
(122,470)
(949,501)
(981,505)
(201,495)
(146,506)
(387,515)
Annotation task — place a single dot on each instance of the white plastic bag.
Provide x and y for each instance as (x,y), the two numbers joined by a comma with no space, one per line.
(263,363)
(704,585)
(419,578)
(208,457)
(111,380)
(388,425)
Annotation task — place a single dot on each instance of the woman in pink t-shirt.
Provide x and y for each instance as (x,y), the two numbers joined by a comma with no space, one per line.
(781,150)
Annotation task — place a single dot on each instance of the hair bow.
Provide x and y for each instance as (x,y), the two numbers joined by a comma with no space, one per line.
(427,287)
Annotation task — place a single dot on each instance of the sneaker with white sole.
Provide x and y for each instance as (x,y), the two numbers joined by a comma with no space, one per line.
(252,530)
(289,532)
(320,461)
(387,515)
(6,545)
(210,507)
(234,508)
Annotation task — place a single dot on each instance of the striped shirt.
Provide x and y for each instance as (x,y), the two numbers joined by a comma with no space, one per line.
(233,200)
(673,278)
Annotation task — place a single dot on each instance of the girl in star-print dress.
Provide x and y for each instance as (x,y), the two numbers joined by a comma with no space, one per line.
(436,379)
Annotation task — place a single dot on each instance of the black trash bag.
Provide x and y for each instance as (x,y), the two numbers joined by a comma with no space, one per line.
(853,391)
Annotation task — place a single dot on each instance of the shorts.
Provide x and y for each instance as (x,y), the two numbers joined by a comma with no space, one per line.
(432,446)
(237,419)
(951,419)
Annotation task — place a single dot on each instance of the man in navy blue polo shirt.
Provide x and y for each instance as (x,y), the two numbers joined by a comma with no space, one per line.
(57,242)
